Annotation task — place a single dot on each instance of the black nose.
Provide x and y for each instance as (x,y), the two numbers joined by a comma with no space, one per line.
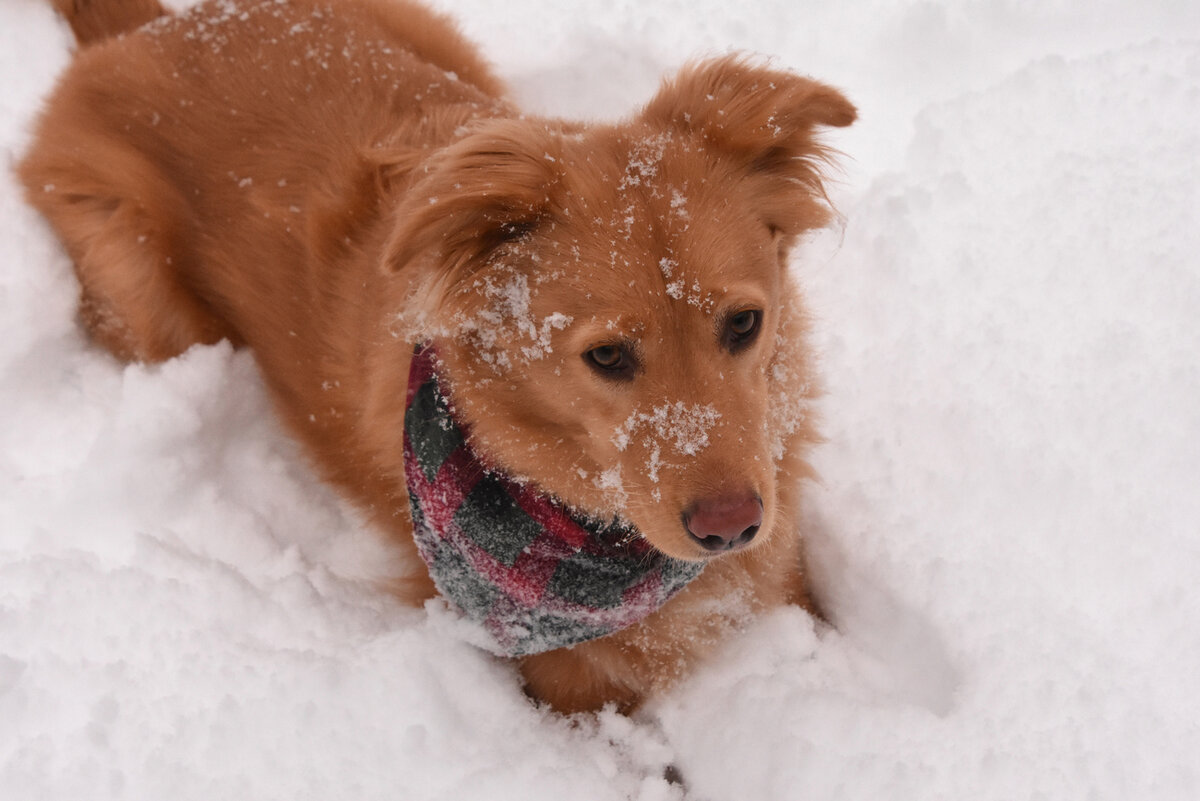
(724,523)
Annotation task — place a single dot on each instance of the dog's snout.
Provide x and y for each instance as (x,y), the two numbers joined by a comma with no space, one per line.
(724,522)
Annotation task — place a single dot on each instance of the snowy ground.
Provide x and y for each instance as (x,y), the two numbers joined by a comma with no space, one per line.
(1008,531)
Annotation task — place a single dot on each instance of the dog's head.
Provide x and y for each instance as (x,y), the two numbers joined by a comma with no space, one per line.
(612,304)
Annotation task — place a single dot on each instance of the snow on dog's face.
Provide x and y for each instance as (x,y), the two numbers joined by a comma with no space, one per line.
(611,303)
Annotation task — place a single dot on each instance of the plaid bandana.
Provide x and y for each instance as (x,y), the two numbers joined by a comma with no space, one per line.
(516,561)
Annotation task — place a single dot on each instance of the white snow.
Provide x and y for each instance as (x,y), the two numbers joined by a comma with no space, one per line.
(1007,531)
(507,317)
(685,425)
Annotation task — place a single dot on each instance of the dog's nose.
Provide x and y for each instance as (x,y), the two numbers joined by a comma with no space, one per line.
(725,522)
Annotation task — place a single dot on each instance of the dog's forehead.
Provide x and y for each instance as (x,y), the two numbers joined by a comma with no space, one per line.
(652,210)
(621,171)
(628,291)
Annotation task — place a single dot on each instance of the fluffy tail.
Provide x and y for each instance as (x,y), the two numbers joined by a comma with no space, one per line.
(95,20)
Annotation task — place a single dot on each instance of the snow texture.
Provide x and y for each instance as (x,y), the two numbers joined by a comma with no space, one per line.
(1007,532)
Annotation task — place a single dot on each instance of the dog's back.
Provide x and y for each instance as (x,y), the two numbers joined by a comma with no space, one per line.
(164,132)
(219,174)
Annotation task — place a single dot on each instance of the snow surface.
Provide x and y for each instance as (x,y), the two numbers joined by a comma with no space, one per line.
(1007,533)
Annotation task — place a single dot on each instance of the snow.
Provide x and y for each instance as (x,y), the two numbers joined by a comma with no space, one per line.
(1007,530)
(684,426)
(507,316)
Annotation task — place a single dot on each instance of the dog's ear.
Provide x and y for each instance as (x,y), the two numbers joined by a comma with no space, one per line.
(490,187)
(766,120)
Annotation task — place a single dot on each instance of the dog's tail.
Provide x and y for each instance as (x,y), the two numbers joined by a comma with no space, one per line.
(96,20)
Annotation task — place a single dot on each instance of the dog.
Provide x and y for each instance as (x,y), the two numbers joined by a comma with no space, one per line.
(596,319)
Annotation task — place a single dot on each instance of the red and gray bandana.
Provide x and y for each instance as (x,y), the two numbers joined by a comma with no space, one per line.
(514,560)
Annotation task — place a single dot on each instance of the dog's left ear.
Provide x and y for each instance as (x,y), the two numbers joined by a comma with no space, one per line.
(488,188)
(766,120)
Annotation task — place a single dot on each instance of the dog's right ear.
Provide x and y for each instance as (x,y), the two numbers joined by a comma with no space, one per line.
(490,187)
(767,121)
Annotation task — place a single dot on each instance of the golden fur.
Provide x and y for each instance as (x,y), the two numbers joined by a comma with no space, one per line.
(327,183)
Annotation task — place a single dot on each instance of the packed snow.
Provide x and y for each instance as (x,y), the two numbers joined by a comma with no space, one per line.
(1006,533)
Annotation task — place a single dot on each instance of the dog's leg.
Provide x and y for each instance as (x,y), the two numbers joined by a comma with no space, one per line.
(132,300)
(124,227)
(575,680)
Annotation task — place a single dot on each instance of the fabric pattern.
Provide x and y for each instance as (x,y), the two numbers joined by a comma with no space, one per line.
(515,560)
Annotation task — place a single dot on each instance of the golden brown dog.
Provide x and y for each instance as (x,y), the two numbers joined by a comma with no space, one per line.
(329,183)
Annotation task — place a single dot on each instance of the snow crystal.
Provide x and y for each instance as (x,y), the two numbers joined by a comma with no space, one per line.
(679,204)
(507,316)
(684,426)
(790,393)
(614,487)
(644,157)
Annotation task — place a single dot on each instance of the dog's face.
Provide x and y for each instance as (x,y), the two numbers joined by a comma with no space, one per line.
(612,307)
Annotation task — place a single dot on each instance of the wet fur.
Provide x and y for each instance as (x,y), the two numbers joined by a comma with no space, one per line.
(321,190)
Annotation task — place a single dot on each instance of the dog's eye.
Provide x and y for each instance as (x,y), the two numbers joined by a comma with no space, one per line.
(741,329)
(611,361)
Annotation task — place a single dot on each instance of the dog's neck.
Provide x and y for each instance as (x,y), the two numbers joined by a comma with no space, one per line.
(532,573)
